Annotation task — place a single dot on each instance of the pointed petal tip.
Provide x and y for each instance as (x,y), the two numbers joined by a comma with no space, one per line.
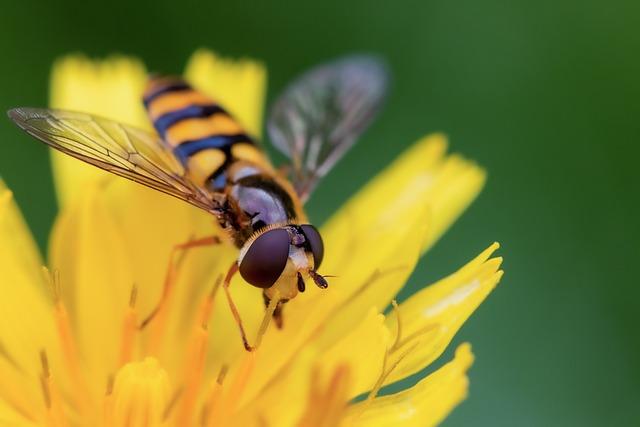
(484,255)
(495,262)
(465,354)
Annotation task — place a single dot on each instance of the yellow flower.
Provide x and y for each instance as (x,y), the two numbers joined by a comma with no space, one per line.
(71,349)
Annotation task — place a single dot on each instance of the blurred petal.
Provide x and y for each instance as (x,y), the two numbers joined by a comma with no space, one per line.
(141,394)
(425,404)
(111,88)
(10,417)
(89,251)
(431,317)
(270,407)
(27,324)
(328,399)
(238,85)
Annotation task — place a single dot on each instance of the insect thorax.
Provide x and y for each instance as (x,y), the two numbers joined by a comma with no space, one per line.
(262,200)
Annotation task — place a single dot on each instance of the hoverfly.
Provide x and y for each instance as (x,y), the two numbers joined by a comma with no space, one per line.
(201,155)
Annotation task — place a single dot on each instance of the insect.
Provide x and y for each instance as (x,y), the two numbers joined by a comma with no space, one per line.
(200,154)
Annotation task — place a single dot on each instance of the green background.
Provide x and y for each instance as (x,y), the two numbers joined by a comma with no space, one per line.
(544,94)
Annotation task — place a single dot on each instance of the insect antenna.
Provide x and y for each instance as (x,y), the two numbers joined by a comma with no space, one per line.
(318,280)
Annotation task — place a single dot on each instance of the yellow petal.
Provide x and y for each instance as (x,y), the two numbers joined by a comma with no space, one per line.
(328,400)
(431,317)
(456,185)
(362,349)
(20,255)
(27,324)
(425,404)
(238,85)
(391,260)
(298,397)
(274,404)
(111,88)
(87,248)
(10,417)
(422,177)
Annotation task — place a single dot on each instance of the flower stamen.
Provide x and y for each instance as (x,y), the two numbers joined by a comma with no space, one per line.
(422,331)
(107,406)
(396,310)
(326,405)
(376,275)
(213,399)
(69,348)
(160,312)
(196,357)
(384,374)
(129,328)
(223,405)
(172,403)
(52,398)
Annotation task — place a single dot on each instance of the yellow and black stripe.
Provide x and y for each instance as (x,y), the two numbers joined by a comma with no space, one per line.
(201,133)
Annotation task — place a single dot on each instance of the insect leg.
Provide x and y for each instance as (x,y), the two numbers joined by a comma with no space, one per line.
(277,312)
(170,276)
(274,305)
(232,306)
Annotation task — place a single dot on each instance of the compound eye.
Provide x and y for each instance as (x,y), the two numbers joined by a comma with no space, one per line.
(315,241)
(266,258)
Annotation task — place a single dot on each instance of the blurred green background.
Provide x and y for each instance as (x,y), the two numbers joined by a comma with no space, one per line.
(544,94)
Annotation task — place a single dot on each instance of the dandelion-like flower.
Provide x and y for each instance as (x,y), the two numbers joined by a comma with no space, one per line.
(73,351)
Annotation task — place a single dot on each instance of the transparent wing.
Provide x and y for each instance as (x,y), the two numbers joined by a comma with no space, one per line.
(114,147)
(320,115)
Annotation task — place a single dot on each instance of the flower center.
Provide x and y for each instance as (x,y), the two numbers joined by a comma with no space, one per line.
(140,395)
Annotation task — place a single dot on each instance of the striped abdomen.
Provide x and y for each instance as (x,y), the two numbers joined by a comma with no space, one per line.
(200,132)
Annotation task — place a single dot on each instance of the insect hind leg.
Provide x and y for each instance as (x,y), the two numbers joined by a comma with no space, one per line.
(171,274)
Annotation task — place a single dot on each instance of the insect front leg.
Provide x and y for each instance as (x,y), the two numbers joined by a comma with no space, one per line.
(277,312)
(273,310)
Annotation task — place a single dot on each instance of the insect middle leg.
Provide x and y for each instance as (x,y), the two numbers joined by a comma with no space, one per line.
(170,276)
